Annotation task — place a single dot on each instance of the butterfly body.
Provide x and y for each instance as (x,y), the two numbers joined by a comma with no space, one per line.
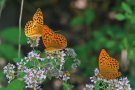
(108,66)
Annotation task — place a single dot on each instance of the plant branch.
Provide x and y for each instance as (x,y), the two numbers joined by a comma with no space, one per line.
(20,19)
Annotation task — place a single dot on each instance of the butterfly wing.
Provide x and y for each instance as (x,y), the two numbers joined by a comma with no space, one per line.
(38,17)
(34,28)
(108,67)
(60,41)
(31,30)
(52,40)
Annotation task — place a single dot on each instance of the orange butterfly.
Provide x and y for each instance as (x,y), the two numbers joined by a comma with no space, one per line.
(53,41)
(108,66)
(33,27)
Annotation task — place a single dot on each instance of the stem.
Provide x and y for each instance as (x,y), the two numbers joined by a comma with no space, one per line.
(20,19)
(1,6)
(35,88)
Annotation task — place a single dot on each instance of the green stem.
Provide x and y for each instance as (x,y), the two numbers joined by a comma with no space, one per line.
(20,19)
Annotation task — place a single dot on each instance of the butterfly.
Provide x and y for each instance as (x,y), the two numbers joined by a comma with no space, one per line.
(108,66)
(33,28)
(53,41)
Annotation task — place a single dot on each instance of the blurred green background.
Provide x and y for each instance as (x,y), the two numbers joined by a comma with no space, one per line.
(89,26)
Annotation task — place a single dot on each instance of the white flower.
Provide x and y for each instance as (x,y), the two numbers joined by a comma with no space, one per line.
(9,71)
(70,52)
(115,84)
(34,42)
(34,77)
(96,71)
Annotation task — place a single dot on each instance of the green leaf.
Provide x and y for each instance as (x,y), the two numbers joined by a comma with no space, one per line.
(69,61)
(21,74)
(3,89)
(67,86)
(132,19)
(120,17)
(76,21)
(16,85)
(126,8)
(17,60)
(1,75)
(110,44)
(8,51)
(11,35)
(89,16)
(131,54)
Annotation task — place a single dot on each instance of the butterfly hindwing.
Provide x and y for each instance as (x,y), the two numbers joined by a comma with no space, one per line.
(53,41)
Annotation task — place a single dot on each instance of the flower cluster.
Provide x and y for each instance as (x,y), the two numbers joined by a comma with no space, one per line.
(9,71)
(34,42)
(33,77)
(97,83)
(37,66)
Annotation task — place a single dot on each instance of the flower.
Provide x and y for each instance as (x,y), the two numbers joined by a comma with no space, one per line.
(98,83)
(70,52)
(34,42)
(34,69)
(33,55)
(34,77)
(9,71)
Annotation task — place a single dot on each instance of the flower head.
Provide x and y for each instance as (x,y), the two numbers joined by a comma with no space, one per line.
(9,71)
(98,83)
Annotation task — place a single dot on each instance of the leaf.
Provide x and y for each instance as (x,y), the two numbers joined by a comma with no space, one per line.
(21,74)
(76,21)
(120,17)
(16,85)
(69,61)
(132,19)
(3,89)
(131,54)
(1,75)
(11,35)
(8,51)
(89,16)
(17,60)
(67,86)
(126,8)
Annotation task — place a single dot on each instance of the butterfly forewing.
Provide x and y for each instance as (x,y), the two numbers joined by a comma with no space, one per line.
(34,28)
(108,66)
(38,17)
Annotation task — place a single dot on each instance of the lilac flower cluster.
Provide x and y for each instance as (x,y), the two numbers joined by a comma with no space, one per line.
(34,42)
(38,66)
(98,83)
(9,71)
(33,77)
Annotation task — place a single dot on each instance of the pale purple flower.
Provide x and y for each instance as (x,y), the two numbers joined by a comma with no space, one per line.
(9,71)
(34,42)
(34,77)
(116,84)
